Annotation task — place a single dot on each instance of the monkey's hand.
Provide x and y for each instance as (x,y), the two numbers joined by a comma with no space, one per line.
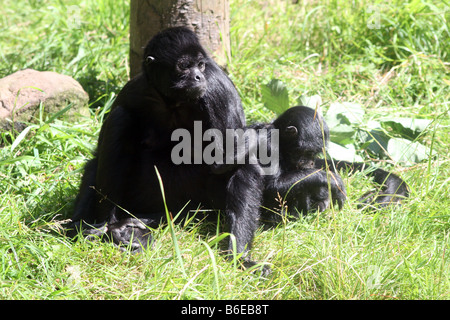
(130,233)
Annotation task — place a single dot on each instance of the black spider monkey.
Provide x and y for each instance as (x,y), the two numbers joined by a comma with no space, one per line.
(303,182)
(180,87)
(295,181)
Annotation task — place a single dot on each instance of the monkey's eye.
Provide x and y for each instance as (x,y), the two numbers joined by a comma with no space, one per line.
(201,65)
(184,65)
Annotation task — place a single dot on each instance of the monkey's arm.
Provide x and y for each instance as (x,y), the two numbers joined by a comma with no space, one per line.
(116,152)
(306,181)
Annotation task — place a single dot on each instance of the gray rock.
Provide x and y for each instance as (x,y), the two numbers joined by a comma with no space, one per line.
(22,92)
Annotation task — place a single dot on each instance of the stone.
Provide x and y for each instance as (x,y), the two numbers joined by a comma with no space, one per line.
(22,92)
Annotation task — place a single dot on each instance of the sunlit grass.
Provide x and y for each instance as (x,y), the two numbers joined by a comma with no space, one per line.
(326,48)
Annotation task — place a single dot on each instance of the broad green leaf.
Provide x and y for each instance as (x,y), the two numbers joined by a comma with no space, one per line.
(372,124)
(339,152)
(343,119)
(403,150)
(313,102)
(407,127)
(342,134)
(275,96)
(378,142)
(344,113)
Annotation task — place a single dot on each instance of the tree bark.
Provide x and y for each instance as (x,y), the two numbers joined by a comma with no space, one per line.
(209,19)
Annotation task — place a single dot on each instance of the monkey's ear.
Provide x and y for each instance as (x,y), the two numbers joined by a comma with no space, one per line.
(149,59)
(291,130)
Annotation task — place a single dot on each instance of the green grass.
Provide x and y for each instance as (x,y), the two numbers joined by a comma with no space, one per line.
(321,47)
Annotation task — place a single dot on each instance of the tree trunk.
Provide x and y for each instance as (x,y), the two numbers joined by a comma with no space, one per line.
(209,19)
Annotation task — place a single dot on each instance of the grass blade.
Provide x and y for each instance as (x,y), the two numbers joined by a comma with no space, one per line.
(171,225)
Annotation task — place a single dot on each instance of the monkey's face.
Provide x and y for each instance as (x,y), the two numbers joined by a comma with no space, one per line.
(302,136)
(188,77)
(181,79)
(299,152)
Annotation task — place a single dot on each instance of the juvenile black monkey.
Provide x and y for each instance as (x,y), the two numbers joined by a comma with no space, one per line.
(303,181)
(299,184)
(180,86)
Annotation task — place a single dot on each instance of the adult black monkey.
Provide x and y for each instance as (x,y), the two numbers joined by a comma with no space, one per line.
(302,178)
(180,85)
